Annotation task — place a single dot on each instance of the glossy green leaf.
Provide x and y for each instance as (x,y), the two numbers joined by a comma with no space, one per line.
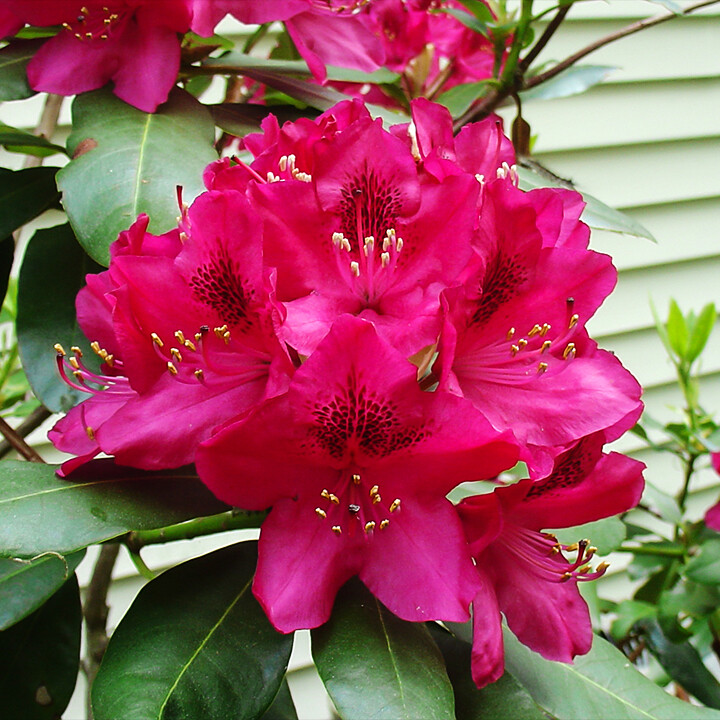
(502,700)
(705,566)
(283,707)
(677,330)
(26,584)
(7,255)
(365,643)
(39,658)
(45,513)
(243,118)
(13,76)
(683,664)
(459,98)
(52,273)
(700,332)
(601,684)
(21,141)
(24,194)
(194,644)
(606,534)
(573,81)
(596,214)
(136,160)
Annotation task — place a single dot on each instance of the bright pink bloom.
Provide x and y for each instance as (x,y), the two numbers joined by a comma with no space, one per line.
(712,516)
(514,340)
(524,573)
(134,43)
(9,23)
(188,320)
(356,461)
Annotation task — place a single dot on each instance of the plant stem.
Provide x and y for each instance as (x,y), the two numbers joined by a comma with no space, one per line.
(18,443)
(553,25)
(95,610)
(689,469)
(46,126)
(670,552)
(232,520)
(33,421)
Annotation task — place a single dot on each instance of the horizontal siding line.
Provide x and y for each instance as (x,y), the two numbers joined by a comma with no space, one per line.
(662,264)
(672,203)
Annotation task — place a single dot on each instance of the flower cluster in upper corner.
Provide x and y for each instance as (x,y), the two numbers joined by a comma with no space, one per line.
(137,44)
(345,330)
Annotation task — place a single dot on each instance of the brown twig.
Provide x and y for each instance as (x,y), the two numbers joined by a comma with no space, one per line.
(18,443)
(553,25)
(95,610)
(46,126)
(33,421)
(497,95)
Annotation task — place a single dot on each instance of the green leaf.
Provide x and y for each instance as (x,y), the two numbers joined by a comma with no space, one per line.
(194,644)
(669,4)
(468,20)
(45,513)
(39,658)
(52,273)
(24,194)
(597,214)
(21,141)
(700,332)
(705,566)
(282,707)
(677,330)
(459,98)
(683,664)
(601,684)
(26,584)
(573,81)
(504,699)
(13,76)
(7,255)
(630,612)
(136,161)
(364,641)
(243,118)
(606,534)
(665,504)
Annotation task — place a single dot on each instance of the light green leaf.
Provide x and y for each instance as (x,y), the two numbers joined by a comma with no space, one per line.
(52,273)
(628,613)
(136,161)
(601,684)
(669,4)
(664,503)
(13,76)
(606,534)
(573,81)
(45,513)
(194,644)
(596,214)
(364,642)
(39,658)
(677,330)
(459,98)
(700,332)
(705,566)
(26,584)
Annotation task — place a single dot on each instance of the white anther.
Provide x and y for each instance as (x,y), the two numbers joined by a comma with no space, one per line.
(355,268)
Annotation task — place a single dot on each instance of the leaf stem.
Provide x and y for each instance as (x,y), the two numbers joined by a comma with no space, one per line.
(233,520)
(553,25)
(33,421)
(18,443)
(671,552)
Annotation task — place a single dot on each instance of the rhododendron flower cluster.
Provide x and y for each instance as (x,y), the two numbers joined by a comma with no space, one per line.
(346,329)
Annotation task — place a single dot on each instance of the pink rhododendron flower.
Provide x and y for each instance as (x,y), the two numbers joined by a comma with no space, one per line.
(356,461)
(524,573)
(134,43)
(514,340)
(184,323)
(712,516)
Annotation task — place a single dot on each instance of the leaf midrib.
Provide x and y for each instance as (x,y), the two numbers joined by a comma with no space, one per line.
(141,161)
(391,654)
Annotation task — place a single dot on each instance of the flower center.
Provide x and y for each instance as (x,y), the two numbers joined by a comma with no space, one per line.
(97,21)
(355,507)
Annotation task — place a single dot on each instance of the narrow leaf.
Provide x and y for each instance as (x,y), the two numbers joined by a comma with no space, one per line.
(44,513)
(24,194)
(363,640)
(677,330)
(194,644)
(26,584)
(596,214)
(39,658)
(601,684)
(22,141)
(573,81)
(52,273)
(700,333)
(705,566)
(243,118)
(13,76)
(136,160)
(459,98)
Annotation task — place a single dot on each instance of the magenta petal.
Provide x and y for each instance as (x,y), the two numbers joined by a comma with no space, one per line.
(487,660)
(431,576)
(712,517)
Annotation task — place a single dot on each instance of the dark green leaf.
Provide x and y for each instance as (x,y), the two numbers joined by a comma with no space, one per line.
(606,534)
(628,613)
(24,194)
(25,142)
(596,214)
(601,684)
(242,118)
(44,513)
(573,81)
(459,98)
(282,707)
(136,160)
(705,566)
(13,76)
(502,700)
(7,255)
(194,644)
(52,273)
(364,642)
(39,658)
(683,664)
(26,584)
(677,330)
(700,332)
